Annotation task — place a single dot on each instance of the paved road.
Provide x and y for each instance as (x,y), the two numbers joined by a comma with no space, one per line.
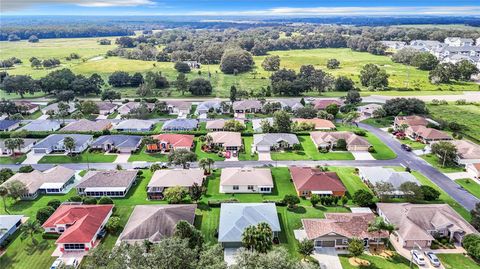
(409,159)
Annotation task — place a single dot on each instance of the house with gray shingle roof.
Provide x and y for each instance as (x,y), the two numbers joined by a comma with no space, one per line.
(235,217)
(26,147)
(134,125)
(247,106)
(105,108)
(273,141)
(85,125)
(180,125)
(257,124)
(290,104)
(112,183)
(54,142)
(8,225)
(54,108)
(117,143)
(42,126)
(206,106)
(373,175)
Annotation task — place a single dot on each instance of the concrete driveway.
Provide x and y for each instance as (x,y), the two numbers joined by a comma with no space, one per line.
(362,155)
(229,255)
(33,158)
(122,158)
(327,256)
(264,156)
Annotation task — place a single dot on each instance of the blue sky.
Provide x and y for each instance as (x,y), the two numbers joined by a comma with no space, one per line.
(236,7)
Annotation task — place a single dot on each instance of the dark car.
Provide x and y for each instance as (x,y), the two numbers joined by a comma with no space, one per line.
(406,147)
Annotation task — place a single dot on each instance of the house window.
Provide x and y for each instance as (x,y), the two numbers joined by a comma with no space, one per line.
(250,187)
(345,241)
(235,187)
(74,246)
(304,193)
(264,189)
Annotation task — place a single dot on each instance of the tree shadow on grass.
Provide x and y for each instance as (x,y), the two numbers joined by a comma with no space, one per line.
(297,210)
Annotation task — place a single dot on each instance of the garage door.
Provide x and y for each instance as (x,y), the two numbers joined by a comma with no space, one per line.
(263,148)
(325,244)
(40,150)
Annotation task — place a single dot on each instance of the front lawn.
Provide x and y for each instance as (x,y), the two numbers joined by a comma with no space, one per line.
(377,262)
(13,160)
(433,160)
(85,157)
(454,261)
(142,155)
(202,154)
(379,123)
(470,185)
(413,144)
(350,179)
(309,151)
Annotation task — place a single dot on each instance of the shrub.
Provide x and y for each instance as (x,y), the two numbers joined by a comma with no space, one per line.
(25,169)
(363,198)
(89,201)
(291,200)
(55,203)
(113,225)
(360,132)
(44,213)
(105,200)
(75,198)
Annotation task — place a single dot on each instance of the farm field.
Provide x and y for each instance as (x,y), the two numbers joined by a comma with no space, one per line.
(466,115)
(94,60)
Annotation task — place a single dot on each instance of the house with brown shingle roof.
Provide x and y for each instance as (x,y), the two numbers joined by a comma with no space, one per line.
(413,120)
(167,178)
(467,152)
(167,142)
(337,229)
(308,181)
(246,180)
(229,141)
(219,124)
(112,183)
(328,140)
(320,124)
(321,104)
(420,223)
(425,134)
(247,106)
(105,108)
(85,125)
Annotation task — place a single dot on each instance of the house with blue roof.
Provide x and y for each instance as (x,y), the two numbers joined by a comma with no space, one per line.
(9,125)
(117,143)
(180,125)
(54,143)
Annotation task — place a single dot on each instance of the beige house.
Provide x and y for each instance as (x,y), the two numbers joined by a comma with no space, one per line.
(219,124)
(163,179)
(229,141)
(328,140)
(425,134)
(413,120)
(320,124)
(467,152)
(246,180)
(420,223)
(85,125)
(473,169)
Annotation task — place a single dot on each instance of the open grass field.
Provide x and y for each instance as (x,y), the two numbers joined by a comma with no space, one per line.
(466,115)
(94,60)
(453,261)
(470,185)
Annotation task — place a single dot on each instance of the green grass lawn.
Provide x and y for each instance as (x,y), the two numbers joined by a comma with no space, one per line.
(112,116)
(247,155)
(85,157)
(142,155)
(465,115)
(470,185)
(202,154)
(377,262)
(454,261)
(10,160)
(350,179)
(413,144)
(379,123)
(310,152)
(34,115)
(432,159)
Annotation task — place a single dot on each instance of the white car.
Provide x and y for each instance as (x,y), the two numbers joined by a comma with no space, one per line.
(72,263)
(418,257)
(432,258)
(56,263)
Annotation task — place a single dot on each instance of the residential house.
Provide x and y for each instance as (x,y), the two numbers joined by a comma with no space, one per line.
(219,124)
(448,51)
(106,108)
(9,224)
(246,180)
(373,175)
(167,142)
(178,107)
(180,125)
(273,141)
(321,104)
(459,41)
(229,141)
(366,111)
(467,152)
(236,217)
(473,169)
(329,140)
(166,178)
(84,125)
(337,229)
(413,120)
(9,125)
(26,147)
(27,107)
(117,143)
(429,44)
(308,181)
(396,45)
(290,104)
(55,180)
(208,106)
(78,226)
(134,125)
(426,135)
(257,124)
(111,183)
(54,107)
(54,143)
(193,64)
(418,224)
(320,124)
(247,106)
(42,126)
(155,222)
(127,107)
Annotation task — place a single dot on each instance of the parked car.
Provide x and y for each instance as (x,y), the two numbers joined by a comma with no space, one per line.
(406,147)
(432,258)
(72,263)
(56,264)
(418,257)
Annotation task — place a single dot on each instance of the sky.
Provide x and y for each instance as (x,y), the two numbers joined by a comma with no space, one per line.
(240,8)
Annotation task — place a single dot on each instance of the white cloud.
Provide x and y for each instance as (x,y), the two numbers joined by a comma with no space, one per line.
(12,5)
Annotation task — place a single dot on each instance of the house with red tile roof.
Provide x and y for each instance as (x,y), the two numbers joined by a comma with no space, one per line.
(78,225)
(337,229)
(167,142)
(308,181)
(322,104)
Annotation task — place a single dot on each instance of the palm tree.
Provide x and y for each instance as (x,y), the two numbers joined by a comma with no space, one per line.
(30,228)
(69,144)
(379,225)
(203,164)
(4,193)
(210,162)
(11,144)
(19,142)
